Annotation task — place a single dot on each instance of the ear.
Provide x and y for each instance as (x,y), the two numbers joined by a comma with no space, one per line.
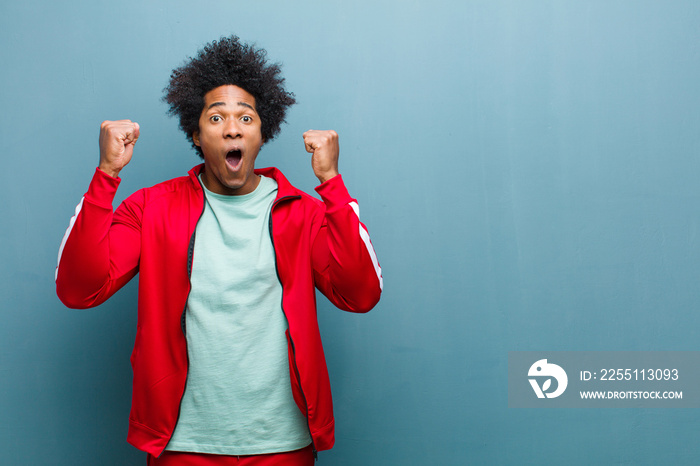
(195,138)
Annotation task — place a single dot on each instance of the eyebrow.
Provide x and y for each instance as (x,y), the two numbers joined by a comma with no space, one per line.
(223,104)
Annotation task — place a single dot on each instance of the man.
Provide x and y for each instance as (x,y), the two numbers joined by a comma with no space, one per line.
(228,363)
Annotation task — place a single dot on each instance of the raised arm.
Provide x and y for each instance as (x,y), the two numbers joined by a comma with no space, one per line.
(100,249)
(345,265)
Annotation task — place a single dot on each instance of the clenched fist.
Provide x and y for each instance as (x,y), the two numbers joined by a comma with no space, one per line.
(117,139)
(324,150)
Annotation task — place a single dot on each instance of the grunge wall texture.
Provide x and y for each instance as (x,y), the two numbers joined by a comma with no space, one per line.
(528,171)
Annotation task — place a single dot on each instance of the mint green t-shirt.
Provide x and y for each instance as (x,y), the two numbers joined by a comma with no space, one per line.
(238,398)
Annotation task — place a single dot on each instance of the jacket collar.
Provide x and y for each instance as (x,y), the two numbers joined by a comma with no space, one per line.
(194,174)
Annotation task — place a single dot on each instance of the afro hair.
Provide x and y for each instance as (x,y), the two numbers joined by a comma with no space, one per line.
(223,62)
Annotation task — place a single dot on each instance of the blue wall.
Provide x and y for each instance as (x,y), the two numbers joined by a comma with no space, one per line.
(528,171)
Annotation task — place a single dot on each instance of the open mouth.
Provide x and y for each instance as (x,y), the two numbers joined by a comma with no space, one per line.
(233,158)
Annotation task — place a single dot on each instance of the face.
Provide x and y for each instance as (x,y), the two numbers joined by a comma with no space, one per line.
(230,138)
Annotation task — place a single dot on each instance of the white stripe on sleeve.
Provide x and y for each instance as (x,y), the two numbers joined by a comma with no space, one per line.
(365,237)
(65,237)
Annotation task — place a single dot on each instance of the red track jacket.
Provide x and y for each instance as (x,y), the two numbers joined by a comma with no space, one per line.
(321,244)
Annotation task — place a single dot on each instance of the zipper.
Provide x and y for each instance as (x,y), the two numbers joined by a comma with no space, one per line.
(183,324)
(294,356)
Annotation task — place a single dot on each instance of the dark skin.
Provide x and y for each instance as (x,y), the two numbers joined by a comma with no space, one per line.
(230,137)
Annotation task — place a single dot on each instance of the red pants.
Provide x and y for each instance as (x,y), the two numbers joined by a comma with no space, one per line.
(303,457)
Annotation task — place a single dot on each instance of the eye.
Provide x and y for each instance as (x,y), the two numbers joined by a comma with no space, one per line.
(246,119)
(215,118)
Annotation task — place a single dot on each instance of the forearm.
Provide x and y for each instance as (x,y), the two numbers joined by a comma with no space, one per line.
(350,274)
(88,269)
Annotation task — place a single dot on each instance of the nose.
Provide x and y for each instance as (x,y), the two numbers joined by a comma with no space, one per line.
(232,129)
